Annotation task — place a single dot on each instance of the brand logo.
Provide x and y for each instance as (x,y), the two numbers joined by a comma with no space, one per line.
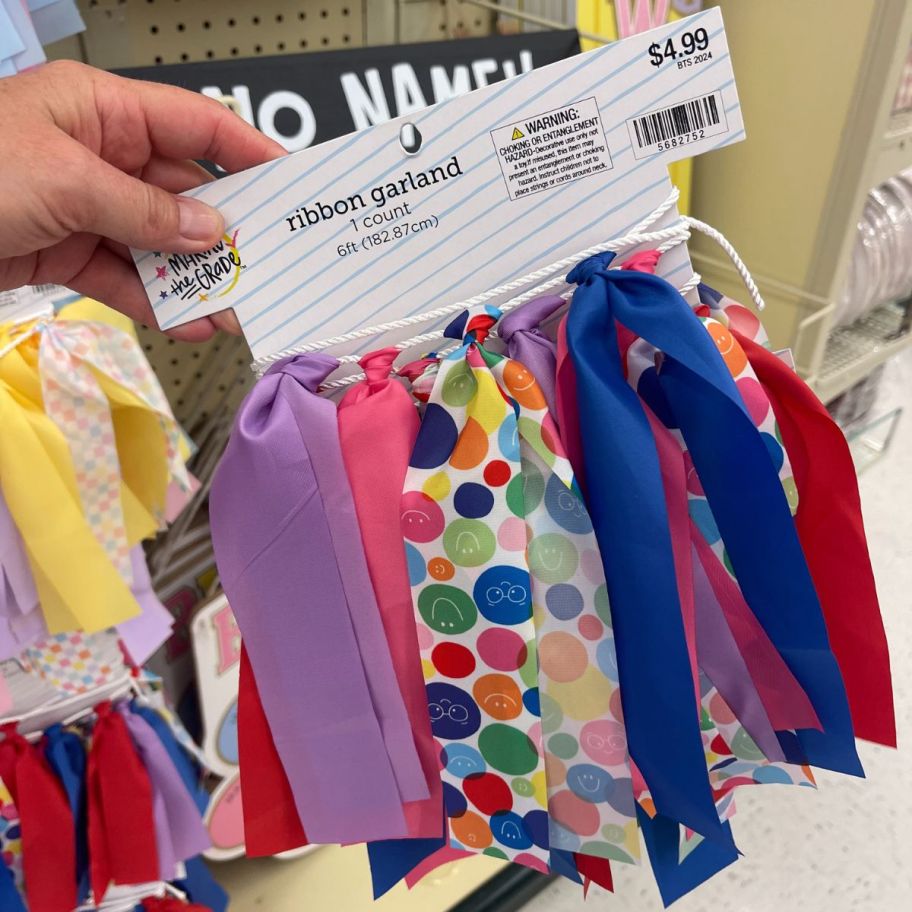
(198,276)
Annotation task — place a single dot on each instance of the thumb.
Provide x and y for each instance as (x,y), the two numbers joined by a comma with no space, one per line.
(112,204)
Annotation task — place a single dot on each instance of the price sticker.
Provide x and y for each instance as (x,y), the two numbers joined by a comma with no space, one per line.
(685,49)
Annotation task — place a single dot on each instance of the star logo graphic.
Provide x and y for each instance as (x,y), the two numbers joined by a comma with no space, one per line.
(157,254)
(163,295)
(161,272)
(203,297)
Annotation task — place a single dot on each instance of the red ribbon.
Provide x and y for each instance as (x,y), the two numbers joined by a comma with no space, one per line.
(594,870)
(48,829)
(122,845)
(271,822)
(831,531)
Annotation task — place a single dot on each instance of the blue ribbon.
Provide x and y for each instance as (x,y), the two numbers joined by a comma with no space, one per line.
(674,879)
(179,757)
(562,862)
(741,484)
(627,506)
(201,887)
(65,753)
(391,859)
(10,900)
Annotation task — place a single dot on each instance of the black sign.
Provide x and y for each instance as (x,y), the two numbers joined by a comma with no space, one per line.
(303,99)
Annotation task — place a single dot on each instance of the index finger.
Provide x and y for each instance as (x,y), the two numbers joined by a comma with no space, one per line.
(185,124)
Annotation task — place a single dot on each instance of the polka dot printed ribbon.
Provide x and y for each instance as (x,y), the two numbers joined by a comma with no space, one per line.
(494,527)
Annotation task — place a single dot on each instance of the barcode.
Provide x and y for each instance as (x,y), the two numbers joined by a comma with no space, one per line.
(689,117)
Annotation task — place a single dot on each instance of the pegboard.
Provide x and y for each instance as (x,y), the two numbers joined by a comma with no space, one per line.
(126,33)
(201,380)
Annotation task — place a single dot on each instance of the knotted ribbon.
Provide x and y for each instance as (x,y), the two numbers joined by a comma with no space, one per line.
(741,484)
(295,574)
(626,502)
(527,343)
(378,425)
(48,829)
(122,844)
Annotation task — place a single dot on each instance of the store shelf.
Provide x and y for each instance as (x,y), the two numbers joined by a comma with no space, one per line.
(852,352)
(334,877)
(895,153)
(869,442)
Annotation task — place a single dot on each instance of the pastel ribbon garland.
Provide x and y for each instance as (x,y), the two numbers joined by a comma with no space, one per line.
(75,402)
(301,614)
(740,482)
(48,831)
(831,531)
(78,585)
(378,426)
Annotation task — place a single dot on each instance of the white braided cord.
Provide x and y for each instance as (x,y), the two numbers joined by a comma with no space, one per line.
(661,240)
(737,262)
(666,237)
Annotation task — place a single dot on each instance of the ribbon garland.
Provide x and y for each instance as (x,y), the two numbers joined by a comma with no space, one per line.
(90,439)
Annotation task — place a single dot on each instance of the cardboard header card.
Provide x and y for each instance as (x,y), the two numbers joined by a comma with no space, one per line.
(468,194)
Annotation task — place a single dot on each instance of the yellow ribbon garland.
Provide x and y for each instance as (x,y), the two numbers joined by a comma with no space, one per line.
(78,585)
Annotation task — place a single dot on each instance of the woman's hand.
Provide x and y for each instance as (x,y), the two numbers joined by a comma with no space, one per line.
(91,163)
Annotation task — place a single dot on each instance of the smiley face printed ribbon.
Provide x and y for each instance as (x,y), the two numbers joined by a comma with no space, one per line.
(493,529)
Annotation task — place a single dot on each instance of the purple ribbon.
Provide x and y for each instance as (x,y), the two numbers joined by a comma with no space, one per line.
(179,831)
(720,659)
(292,564)
(526,343)
(20,620)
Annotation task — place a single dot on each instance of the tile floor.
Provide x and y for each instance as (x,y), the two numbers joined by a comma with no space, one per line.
(848,846)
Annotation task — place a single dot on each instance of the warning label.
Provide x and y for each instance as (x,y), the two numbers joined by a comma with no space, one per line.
(551,149)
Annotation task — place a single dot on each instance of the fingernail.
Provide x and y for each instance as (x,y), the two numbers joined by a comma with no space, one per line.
(227,321)
(199,222)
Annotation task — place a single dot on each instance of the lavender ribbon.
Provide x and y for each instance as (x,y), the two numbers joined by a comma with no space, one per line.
(144,634)
(724,665)
(292,564)
(179,831)
(20,620)
(526,343)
